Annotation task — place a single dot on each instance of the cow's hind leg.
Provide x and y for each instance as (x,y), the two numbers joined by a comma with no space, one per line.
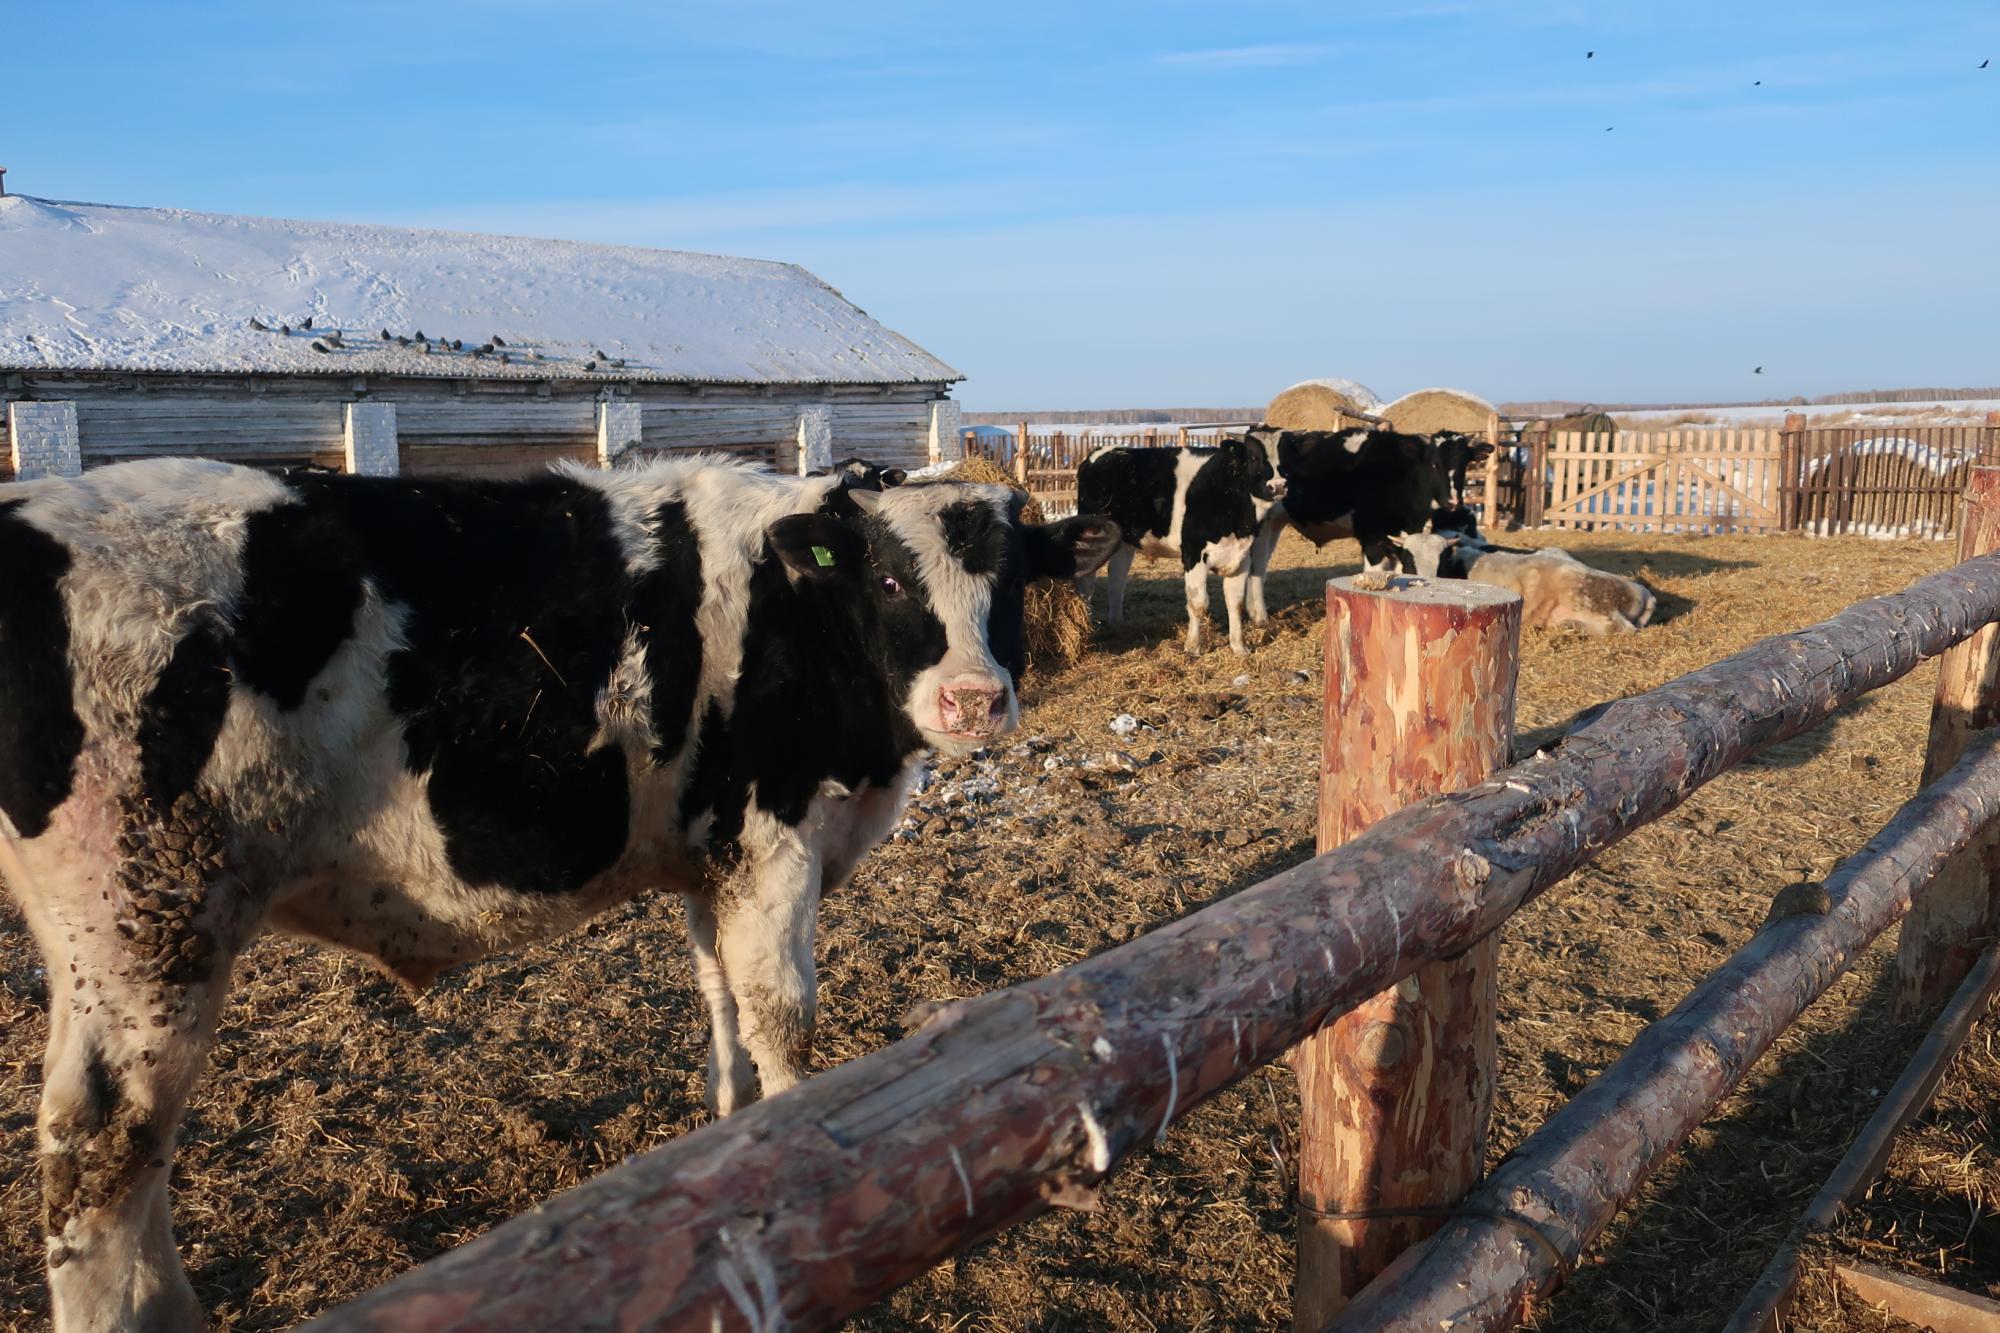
(1117,570)
(732,1080)
(139,951)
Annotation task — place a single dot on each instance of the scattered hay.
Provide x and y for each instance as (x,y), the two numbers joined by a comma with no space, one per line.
(1058,621)
(1326,404)
(1429,410)
(1936,1210)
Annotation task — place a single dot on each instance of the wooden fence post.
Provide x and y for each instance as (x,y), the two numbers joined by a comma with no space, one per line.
(1491,516)
(1791,470)
(1395,1096)
(1534,482)
(1021,453)
(1955,915)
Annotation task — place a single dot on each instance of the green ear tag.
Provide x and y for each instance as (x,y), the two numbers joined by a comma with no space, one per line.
(824,556)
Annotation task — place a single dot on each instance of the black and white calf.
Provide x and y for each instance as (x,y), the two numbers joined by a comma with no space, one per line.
(426,721)
(1203,505)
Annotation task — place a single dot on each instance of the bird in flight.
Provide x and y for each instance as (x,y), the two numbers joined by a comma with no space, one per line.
(1758,84)
(1590,55)
(1984,63)
(1758,371)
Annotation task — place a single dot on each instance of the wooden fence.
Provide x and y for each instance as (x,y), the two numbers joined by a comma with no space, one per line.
(1880,481)
(807,1207)
(1046,466)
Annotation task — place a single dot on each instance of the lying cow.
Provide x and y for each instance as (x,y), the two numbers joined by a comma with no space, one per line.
(1203,505)
(1556,589)
(1362,483)
(427,721)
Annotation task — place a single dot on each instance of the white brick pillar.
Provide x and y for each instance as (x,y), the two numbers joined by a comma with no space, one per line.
(947,438)
(43,440)
(371,440)
(619,427)
(815,438)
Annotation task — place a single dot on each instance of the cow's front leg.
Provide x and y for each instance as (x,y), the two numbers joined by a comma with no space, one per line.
(1234,586)
(766,917)
(732,1079)
(1196,578)
(1260,564)
(139,953)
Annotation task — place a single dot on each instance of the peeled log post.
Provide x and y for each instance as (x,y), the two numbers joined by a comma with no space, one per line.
(1523,1231)
(810,1205)
(1955,918)
(1394,1096)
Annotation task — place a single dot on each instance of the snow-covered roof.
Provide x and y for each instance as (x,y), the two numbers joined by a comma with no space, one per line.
(98,287)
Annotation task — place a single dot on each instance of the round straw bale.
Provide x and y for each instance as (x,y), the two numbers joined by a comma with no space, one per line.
(1430,410)
(1325,404)
(1590,421)
(1058,621)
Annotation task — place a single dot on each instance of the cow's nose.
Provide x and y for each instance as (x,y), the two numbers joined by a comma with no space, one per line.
(973,708)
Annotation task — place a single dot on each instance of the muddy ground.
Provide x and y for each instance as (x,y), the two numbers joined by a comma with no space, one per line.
(344,1133)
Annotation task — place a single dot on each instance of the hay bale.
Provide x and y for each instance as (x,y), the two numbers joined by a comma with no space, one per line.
(1428,411)
(1325,404)
(1058,621)
(1588,422)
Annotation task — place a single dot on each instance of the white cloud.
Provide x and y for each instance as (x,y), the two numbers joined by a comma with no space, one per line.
(1275,56)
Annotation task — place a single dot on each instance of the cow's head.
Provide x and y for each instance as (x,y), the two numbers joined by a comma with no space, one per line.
(1456,451)
(932,577)
(859,474)
(1427,554)
(1249,464)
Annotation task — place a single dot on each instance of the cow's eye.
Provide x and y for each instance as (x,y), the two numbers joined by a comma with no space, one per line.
(891,588)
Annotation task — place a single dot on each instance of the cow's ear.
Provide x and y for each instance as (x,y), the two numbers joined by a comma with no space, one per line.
(1070,549)
(818,546)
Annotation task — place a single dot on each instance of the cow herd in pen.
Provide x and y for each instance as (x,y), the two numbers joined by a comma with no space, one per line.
(426,721)
(1221,509)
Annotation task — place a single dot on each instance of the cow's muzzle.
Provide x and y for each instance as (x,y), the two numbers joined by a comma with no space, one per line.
(974,708)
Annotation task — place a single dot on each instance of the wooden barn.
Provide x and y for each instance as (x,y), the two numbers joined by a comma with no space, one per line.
(128,332)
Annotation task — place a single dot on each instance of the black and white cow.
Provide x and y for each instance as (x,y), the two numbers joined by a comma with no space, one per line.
(1363,483)
(1203,505)
(863,475)
(426,721)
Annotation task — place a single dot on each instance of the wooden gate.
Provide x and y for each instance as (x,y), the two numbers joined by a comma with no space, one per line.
(1664,481)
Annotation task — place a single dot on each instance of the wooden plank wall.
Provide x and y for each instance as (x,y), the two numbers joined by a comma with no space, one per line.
(255,430)
(889,433)
(768,432)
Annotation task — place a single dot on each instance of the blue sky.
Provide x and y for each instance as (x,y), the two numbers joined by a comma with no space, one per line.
(1101,205)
